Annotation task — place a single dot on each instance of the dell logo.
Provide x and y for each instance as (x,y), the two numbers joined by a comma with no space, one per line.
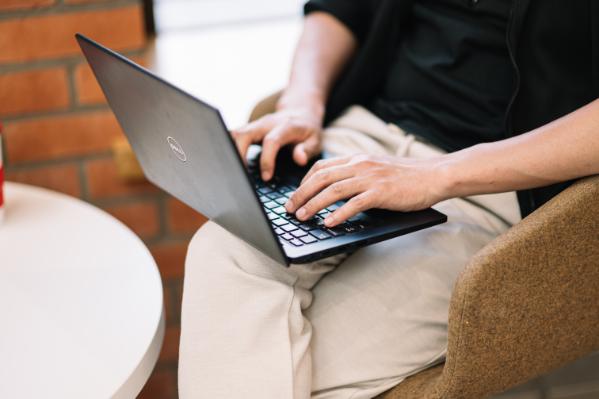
(176,148)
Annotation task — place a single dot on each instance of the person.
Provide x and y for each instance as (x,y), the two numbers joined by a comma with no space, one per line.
(484,109)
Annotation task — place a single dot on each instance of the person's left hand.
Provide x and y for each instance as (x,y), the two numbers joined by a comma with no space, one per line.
(386,182)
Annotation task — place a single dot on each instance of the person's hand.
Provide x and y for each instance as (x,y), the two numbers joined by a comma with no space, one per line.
(300,126)
(385,182)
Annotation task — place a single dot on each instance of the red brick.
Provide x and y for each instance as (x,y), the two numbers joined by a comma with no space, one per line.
(6,5)
(170,346)
(63,178)
(161,385)
(141,217)
(38,90)
(170,258)
(88,90)
(103,181)
(182,219)
(60,136)
(52,36)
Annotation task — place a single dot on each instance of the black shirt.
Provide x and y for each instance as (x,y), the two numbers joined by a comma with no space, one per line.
(554,46)
(451,78)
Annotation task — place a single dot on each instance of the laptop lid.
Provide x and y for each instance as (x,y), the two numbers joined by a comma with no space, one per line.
(183,146)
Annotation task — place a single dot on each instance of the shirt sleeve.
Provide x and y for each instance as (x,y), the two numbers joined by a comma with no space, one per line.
(351,13)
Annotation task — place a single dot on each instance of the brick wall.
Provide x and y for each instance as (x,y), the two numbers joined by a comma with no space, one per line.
(59,132)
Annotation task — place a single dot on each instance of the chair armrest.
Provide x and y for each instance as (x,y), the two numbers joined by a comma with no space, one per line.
(529,301)
(526,303)
(265,106)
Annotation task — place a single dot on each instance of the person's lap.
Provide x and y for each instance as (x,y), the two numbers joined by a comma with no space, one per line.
(382,314)
(368,323)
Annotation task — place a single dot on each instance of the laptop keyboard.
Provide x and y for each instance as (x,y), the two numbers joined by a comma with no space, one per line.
(274,194)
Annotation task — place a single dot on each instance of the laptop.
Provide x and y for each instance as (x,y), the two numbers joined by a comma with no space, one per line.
(184,147)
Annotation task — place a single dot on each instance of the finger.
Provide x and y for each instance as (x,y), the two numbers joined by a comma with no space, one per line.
(306,150)
(251,133)
(271,144)
(243,143)
(316,183)
(355,205)
(322,164)
(333,193)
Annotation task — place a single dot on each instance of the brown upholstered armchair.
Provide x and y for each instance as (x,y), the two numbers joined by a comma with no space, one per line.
(526,303)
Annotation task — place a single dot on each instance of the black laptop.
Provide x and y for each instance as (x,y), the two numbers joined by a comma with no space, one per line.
(184,147)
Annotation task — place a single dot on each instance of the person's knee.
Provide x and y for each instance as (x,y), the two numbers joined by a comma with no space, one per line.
(215,250)
(209,238)
(208,246)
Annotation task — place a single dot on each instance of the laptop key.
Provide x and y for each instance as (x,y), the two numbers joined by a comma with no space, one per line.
(332,208)
(357,218)
(281,200)
(321,235)
(296,242)
(336,231)
(287,236)
(349,228)
(274,196)
(306,227)
(312,224)
(289,227)
(279,222)
(324,215)
(264,190)
(264,198)
(364,223)
(299,233)
(358,226)
(293,220)
(279,231)
(308,239)
(286,189)
(279,210)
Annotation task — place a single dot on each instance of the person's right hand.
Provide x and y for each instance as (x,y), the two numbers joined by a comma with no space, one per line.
(300,126)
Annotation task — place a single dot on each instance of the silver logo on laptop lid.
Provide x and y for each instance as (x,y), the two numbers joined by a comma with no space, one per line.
(176,148)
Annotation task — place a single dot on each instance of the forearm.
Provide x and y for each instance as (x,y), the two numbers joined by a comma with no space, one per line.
(324,48)
(565,149)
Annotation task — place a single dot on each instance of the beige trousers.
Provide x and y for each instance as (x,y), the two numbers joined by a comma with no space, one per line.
(344,327)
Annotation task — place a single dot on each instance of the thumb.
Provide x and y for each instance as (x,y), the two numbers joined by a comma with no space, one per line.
(305,150)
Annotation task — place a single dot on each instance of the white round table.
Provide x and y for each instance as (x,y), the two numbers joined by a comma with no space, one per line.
(81,311)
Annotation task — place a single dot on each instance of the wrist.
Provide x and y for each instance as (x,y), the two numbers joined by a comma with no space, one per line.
(448,176)
(311,99)
(467,172)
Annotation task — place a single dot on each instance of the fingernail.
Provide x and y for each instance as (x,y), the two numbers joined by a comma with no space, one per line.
(301,213)
(329,220)
(265,176)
